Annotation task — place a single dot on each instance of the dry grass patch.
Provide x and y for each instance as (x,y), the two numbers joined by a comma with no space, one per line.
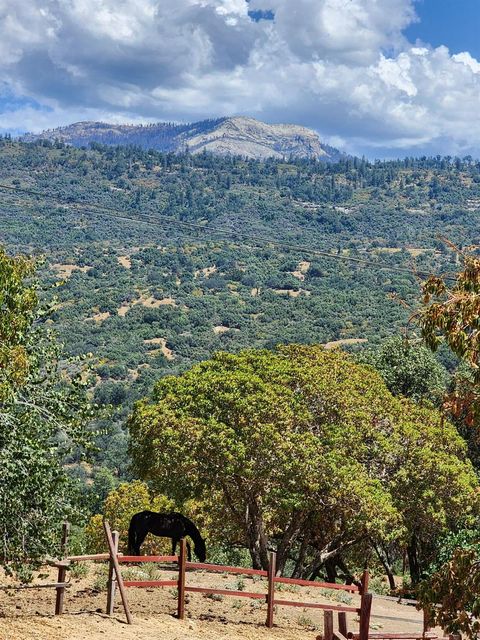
(153,303)
(416,252)
(168,353)
(206,272)
(124,261)
(301,270)
(291,292)
(66,270)
(150,302)
(219,329)
(122,311)
(99,317)
(337,344)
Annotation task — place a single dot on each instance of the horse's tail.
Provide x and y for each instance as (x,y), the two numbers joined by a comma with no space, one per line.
(132,536)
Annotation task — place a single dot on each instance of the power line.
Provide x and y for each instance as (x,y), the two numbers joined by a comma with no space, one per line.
(161,220)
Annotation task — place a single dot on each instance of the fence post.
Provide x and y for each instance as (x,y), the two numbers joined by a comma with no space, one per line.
(342,623)
(365,610)
(62,570)
(328,625)
(112,583)
(272,569)
(364,582)
(182,564)
(118,573)
(426,625)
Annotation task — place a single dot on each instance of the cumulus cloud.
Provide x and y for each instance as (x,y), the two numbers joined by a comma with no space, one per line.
(343,67)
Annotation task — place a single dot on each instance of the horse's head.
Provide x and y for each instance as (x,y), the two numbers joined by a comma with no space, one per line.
(200,550)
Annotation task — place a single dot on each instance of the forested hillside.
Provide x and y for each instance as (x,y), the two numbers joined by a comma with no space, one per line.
(158,260)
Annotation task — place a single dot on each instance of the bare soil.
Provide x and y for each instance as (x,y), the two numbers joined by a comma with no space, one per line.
(28,614)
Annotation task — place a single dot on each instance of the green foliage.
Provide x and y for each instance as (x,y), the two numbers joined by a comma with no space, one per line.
(103,483)
(79,570)
(18,309)
(451,313)
(302,443)
(44,415)
(228,555)
(306,622)
(379,586)
(451,593)
(466,539)
(456,588)
(408,370)
(101,578)
(258,296)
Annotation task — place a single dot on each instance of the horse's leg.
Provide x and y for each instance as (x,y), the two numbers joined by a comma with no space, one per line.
(174,545)
(141,535)
(189,551)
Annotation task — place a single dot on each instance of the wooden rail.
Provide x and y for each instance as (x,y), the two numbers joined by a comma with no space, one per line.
(150,583)
(226,569)
(317,605)
(52,585)
(147,558)
(352,588)
(399,636)
(269,597)
(93,556)
(227,592)
(115,580)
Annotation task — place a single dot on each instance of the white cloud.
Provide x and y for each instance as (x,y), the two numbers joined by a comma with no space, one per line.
(340,66)
(467,60)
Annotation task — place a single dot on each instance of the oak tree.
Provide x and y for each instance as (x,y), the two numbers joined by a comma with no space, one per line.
(304,450)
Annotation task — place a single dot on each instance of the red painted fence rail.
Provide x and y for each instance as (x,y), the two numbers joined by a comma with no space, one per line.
(226,569)
(352,588)
(269,597)
(115,580)
(132,559)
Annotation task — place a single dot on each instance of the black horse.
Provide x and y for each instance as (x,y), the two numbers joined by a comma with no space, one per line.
(169,525)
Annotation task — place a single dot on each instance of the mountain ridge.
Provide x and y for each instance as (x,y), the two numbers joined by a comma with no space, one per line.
(229,136)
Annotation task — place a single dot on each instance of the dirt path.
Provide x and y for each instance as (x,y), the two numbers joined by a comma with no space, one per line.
(161,627)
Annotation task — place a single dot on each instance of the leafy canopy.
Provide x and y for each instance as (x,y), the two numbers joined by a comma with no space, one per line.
(408,370)
(301,446)
(44,414)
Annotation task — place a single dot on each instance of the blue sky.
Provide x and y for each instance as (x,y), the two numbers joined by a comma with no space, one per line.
(376,77)
(454,23)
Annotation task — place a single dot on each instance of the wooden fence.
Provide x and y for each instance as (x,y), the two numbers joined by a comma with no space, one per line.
(115,580)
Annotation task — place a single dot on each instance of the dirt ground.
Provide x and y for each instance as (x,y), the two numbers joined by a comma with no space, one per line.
(28,614)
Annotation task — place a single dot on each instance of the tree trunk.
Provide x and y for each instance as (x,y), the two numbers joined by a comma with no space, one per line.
(290,535)
(297,572)
(413,564)
(257,540)
(331,569)
(332,549)
(347,575)
(384,559)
